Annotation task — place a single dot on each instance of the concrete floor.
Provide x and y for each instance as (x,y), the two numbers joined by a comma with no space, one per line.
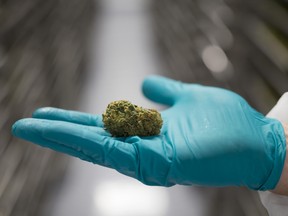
(123,54)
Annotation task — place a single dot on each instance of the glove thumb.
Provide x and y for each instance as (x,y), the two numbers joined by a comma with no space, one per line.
(162,90)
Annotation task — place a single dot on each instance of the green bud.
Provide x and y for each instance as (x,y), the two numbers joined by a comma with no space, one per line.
(123,119)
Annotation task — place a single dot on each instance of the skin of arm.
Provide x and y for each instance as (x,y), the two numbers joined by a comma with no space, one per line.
(282,186)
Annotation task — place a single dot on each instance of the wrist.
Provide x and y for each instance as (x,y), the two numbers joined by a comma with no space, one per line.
(282,186)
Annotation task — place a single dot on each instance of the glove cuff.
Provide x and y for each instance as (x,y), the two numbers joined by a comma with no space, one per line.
(278,155)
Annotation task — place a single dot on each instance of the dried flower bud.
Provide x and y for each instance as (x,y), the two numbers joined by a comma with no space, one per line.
(123,119)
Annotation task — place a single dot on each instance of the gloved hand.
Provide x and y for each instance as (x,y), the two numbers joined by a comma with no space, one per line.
(210,136)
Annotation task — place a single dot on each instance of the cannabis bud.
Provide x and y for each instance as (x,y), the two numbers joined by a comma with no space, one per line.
(123,119)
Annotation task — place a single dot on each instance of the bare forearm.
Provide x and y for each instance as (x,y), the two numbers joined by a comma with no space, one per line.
(282,186)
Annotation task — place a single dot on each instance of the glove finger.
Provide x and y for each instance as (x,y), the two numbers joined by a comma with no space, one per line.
(33,134)
(69,116)
(89,143)
(162,90)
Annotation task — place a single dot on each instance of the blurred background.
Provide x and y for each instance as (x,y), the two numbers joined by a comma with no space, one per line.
(83,54)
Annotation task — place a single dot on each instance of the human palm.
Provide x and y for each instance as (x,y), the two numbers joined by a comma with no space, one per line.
(210,136)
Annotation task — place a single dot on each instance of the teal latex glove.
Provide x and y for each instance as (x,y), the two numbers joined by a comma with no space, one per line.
(210,136)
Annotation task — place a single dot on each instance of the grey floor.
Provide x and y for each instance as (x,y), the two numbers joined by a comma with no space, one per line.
(123,54)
